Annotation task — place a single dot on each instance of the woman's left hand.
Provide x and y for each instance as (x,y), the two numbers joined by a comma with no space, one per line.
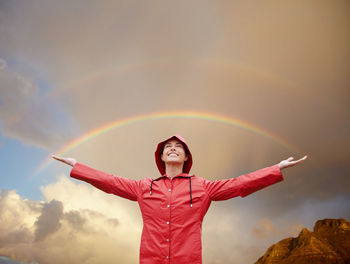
(289,162)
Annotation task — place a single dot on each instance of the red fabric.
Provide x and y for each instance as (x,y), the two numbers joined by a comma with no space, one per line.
(171,227)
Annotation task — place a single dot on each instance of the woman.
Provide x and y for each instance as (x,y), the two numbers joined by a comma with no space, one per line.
(173,205)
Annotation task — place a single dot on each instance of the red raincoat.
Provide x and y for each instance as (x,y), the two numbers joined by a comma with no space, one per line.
(173,209)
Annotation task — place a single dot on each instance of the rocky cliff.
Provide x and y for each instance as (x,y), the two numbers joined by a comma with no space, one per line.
(328,243)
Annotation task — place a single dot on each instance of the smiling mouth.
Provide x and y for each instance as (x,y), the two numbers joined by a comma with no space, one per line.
(172,154)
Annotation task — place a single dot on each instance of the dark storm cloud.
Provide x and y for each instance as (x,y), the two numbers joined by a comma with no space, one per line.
(21,235)
(79,219)
(75,219)
(25,113)
(49,220)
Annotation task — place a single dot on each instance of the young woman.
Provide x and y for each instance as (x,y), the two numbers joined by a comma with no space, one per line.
(173,205)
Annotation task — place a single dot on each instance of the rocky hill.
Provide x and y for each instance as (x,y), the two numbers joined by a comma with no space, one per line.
(328,243)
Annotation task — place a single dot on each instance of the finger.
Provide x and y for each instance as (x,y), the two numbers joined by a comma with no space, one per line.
(57,158)
(298,161)
(290,158)
(303,158)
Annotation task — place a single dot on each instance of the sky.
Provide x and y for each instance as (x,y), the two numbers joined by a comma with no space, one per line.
(246,83)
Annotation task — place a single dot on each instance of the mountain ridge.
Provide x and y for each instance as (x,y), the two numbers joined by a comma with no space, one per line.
(329,242)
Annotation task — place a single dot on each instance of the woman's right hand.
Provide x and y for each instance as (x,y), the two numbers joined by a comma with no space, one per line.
(69,161)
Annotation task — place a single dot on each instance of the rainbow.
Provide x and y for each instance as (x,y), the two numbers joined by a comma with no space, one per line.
(165,115)
(115,70)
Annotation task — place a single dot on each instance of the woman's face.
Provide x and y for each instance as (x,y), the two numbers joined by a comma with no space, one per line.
(174,152)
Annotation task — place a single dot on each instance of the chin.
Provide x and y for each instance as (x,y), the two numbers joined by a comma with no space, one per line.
(173,161)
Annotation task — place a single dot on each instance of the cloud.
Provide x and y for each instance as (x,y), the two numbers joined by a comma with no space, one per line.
(5,260)
(49,220)
(75,235)
(3,64)
(264,228)
(75,219)
(267,228)
(25,113)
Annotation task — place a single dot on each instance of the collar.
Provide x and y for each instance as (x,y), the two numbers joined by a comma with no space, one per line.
(181,175)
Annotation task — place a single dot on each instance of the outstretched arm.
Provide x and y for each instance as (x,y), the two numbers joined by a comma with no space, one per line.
(109,183)
(289,162)
(248,183)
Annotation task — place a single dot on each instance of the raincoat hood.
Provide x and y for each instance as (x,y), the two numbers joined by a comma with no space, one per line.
(158,155)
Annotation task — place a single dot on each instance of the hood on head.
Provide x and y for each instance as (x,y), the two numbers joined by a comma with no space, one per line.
(161,164)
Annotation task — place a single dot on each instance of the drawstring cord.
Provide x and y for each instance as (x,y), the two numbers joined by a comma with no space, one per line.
(150,191)
(191,191)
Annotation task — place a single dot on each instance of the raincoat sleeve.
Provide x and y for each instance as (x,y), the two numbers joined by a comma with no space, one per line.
(244,184)
(109,183)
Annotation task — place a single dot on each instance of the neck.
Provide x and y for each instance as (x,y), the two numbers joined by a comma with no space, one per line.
(173,169)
